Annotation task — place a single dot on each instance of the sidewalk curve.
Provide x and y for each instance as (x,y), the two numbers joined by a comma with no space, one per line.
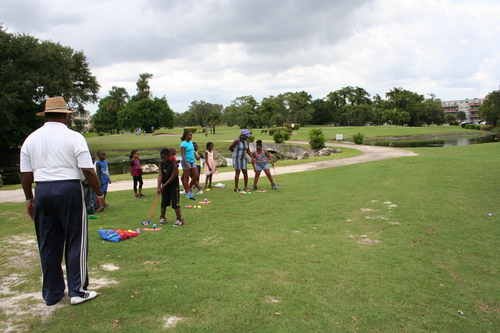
(370,153)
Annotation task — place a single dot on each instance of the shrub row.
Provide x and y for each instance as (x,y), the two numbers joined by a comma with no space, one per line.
(472,126)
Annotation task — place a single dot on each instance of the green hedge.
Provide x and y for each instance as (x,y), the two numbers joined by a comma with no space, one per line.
(296,127)
(273,130)
(192,129)
(281,136)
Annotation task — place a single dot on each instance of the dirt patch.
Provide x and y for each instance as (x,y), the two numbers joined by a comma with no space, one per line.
(172,321)
(368,241)
(20,258)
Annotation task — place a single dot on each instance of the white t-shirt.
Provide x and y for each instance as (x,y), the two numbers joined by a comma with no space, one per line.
(54,152)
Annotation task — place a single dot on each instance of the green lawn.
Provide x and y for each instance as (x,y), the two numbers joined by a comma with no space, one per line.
(127,142)
(396,245)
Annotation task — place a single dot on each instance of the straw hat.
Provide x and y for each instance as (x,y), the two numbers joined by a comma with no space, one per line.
(56,105)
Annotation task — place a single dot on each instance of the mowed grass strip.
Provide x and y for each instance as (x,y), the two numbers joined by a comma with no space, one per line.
(389,246)
(224,135)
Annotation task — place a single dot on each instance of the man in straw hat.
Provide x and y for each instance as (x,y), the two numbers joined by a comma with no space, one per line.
(57,159)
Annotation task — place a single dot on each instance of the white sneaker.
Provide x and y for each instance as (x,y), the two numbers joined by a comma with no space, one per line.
(200,192)
(75,300)
(162,220)
(178,223)
(182,192)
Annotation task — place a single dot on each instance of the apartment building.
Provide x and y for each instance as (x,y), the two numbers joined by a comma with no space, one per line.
(85,118)
(469,106)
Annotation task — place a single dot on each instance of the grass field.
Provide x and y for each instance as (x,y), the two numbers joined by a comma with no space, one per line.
(127,142)
(389,246)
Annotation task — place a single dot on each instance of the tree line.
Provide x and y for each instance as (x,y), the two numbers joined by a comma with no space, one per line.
(31,70)
(349,106)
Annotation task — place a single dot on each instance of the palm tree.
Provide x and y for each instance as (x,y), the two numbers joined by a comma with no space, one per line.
(118,98)
(143,89)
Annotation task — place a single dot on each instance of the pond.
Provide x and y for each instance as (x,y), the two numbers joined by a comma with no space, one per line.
(435,142)
(121,167)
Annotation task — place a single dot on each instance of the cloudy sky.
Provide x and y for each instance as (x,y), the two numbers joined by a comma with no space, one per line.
(217,50)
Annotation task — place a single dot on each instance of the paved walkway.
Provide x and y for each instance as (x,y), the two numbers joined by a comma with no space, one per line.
(370,153)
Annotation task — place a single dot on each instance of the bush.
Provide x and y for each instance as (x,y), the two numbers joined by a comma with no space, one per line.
(273,130)
(316,138)
(358,138)
(296,127)
(281,136)
(192,129)
(251,138)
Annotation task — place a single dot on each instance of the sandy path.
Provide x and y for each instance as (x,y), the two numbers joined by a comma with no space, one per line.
(370,153)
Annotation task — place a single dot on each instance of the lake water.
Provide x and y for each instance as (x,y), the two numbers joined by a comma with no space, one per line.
(9,164)
(436,142)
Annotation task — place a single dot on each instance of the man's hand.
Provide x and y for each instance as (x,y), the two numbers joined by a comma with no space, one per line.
(100,204)
(30,210)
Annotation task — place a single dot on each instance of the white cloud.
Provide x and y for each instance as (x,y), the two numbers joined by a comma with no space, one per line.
(218,50)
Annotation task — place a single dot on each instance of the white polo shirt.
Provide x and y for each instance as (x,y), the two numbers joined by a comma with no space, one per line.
(54,152)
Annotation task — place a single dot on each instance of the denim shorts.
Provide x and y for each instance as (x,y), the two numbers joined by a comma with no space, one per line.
(262,167)
(190,165)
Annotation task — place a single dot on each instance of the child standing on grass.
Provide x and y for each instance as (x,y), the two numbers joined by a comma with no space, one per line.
(188,164)
(168,187)
(103,175)
(135,168)
(209,166)
(260,161)
(173,151)
(197,157)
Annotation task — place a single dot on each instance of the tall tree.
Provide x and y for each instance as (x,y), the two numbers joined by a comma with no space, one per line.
(411,102)
(244,111)
(490,109)
(350,102)
(272,111)
(187,118)
(202,109)
(357,115)
(434,110)
(143,89)
(299,107)
(31,71)
(147,113)
(321,114)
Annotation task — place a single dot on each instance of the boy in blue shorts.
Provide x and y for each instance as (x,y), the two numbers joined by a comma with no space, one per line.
(168,187)
(103,175)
